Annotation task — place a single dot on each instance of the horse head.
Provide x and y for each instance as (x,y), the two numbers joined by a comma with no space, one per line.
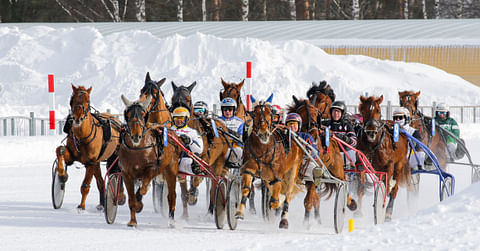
(409,100)
(80,104)
(182,96)
(136,116)
(158,106)
(262,121)
(311,116)
(232,90)
(322,96)
(371,112)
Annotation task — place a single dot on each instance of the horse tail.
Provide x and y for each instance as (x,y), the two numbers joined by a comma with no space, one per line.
(328,190)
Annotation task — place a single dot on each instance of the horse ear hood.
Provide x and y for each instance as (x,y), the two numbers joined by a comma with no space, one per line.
(174,87)
(126,101)
(161,82)
(190,88)
(147,78)
(295,99)
(269,99)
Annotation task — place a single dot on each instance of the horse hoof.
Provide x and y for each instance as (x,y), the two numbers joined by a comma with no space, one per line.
(63,178)
(252,211)
(352,206)
(171,223)
(139,208)
(132,224)
(121,199)
(388,218)
(239,215)
(99,207)
(283,224)
(192,200)
(79,207)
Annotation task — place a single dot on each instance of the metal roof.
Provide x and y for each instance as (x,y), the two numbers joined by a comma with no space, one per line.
(320,32)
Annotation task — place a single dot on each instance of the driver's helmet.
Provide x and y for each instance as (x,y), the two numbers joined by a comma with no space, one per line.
(180,116)
(200,108)
(229,102)
(401,115)
(294,117)
(442,109)
(340,105)
(277,114)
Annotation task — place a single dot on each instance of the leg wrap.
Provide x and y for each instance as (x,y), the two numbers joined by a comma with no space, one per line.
(85,185)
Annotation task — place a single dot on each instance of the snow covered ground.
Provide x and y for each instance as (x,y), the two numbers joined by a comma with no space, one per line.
(117,64)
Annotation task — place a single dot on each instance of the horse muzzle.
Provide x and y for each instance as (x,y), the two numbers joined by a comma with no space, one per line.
(264,137)
(371,135)
(136,139)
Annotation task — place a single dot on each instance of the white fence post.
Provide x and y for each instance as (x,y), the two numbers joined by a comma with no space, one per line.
(32,124)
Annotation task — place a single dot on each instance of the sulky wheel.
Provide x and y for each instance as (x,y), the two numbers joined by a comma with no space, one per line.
(220,201)
(379,203)
(446,190)
(160,197)
(339,208)
(266,209)
(234,195)
(208,186)
(58,188)
(111,197)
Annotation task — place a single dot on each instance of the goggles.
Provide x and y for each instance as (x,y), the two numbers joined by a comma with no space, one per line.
(396,118)
(442,113)
(292,123)
(179,119)
(227,109)
(199,110)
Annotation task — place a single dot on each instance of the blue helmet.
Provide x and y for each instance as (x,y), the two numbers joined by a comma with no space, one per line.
(229,102)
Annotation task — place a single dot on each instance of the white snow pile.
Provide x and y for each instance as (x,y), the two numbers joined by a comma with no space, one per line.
(116,64)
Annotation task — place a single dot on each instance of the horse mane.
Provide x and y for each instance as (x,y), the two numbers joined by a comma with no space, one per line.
(296,104)
(261,102)
(322,87)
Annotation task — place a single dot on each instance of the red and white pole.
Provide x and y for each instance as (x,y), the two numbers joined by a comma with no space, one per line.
(51,105)
(249,76)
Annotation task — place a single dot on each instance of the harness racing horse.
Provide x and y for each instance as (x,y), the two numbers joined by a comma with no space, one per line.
(321,96)
(91,138)
(232,90)
(157,109)
(143,155)
(266,156)
(437,143)
(332,158)
(214,148)
(385,155)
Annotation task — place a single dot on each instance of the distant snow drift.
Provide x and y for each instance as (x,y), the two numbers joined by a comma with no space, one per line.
(116,64)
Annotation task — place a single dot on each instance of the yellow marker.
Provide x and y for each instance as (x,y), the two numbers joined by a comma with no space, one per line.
(350,225)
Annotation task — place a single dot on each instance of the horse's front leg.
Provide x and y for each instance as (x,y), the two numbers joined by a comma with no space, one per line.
(309,201)
(129,184)
(172,196)
(290,183)
(184,195)
(247,178)
(392,191)
(85,188)
(63,156)
(97,172)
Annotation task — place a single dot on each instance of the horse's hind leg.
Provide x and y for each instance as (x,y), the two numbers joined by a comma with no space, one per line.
(246,188)
(251,200)
(85,188)
(172,196)
(308,201)
(100,185)
(389,210)
(193,192)
(360,182)
(184,195)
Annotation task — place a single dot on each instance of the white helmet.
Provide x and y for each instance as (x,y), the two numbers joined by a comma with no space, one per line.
(401,114)
(441,107)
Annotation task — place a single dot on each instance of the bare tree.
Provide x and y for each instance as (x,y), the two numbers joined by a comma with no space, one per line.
(306,9)
(180,11)
(355,10)
(459,13)
(405,9)
(204,10)
(140,10)
(265,10)
(96,10)
(437,9)
(293,10)
(217,4)
(314,8)
(424,9)
(244,10)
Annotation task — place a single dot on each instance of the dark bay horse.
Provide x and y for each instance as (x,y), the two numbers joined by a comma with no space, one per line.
(143,155)
(321,96)
(158,112)
(409,100)
(233,90)
(332,159)
(91,139)
(266,156)
(214,149)
(376,142)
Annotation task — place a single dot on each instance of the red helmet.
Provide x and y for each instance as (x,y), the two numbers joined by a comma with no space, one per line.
(276,109)
(294,117)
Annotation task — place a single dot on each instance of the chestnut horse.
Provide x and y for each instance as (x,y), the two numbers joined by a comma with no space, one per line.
(142,155)
(233,91)
(265,156)
(332,158)
(214,149)
(385,155)
(91,139)
(321,96)
(437,144)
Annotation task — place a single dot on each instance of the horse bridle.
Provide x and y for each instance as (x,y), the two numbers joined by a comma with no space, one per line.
(228,94)
(263,118)
(85,111)
(182,90)
(136,114)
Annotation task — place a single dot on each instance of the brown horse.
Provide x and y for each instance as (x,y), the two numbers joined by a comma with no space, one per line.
(332,158)
(265,156)
(142,155)
(321,96)
(158,112)
(214,149)
(233,90)
(91,139)
(385,155)
(437,144)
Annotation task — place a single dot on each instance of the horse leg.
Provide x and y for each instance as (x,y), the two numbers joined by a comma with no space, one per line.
(247,184)
(129,184)
(360,192)
(212,191)
(193,191)
(63,155)
(184,195)
(100,186)
(85,188)
(389,210)
(290,183)
(251,200)
(316,205)
(308,201)
(172,196)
